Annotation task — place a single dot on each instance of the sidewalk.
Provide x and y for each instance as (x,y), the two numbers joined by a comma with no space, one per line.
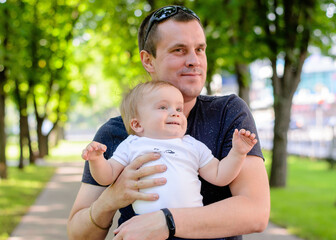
(47,219)
(272,232)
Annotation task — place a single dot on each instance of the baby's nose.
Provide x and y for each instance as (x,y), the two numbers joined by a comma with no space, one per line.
(175,113)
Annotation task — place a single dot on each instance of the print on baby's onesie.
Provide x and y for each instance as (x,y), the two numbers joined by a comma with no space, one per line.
(165,151)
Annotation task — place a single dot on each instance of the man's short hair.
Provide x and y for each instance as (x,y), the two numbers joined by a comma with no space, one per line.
(131,101)
(153,37)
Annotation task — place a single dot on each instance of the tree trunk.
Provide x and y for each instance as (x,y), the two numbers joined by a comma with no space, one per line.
(26,135)
(3,80)
(21,142)
(56,136)
(3,161)
(282,110)
(243,79)
(44,147)
(41,138)
(25,140)
(284,89)
(22,105)
(208,87)
(31,152)
(210,73)
(294,48)
(60,135)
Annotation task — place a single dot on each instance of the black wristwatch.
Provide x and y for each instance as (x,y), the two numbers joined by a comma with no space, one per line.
(170,221)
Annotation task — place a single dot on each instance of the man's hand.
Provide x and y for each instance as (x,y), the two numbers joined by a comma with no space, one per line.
(107,201)
(125,190)
(150,226)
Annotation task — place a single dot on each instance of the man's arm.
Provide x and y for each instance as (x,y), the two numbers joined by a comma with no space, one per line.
(79,222)
(105,202)
(247,211)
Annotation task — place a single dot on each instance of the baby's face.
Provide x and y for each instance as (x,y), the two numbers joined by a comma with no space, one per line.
(161,114)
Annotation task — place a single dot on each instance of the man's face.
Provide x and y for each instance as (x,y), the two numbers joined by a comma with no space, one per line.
(180,57)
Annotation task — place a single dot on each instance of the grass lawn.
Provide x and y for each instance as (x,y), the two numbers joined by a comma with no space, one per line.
(307,206)
(19,192)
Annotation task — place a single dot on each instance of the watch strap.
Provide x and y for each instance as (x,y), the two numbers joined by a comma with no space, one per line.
(170,221)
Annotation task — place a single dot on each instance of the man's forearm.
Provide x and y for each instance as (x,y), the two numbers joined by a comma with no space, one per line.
(80,225)
(235,216)
(246,212)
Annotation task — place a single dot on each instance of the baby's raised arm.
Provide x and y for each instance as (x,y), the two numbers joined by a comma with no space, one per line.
(221,173)
(103,171)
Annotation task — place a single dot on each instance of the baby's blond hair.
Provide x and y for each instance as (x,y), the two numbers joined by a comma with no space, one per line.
(130,103)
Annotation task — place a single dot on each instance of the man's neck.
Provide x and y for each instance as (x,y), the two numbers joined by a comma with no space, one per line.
(188,105)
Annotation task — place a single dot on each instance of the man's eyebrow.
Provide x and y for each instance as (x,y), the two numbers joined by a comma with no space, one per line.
(177,45)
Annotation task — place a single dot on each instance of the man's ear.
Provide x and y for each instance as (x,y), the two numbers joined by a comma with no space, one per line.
(146,59)
(136,126)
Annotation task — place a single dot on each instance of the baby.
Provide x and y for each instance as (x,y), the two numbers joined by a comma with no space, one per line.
(153,116)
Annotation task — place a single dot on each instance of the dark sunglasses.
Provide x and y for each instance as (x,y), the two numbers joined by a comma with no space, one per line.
(164,13)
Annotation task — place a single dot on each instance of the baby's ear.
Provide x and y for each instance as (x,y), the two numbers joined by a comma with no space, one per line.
(136,126)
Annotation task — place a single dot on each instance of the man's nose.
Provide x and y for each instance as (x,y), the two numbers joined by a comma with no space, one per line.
(192,59)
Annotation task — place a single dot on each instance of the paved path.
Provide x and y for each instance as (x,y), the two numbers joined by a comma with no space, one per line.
(46,219)
(272,232)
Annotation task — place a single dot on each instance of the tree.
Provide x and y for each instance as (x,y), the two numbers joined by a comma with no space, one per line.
(53,27)
(3,79)
(239,32)
(231,43)
(288,27)
(39,51)
(21,86)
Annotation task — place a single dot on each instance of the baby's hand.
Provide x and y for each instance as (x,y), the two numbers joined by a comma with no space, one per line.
(93,151)
(243,141)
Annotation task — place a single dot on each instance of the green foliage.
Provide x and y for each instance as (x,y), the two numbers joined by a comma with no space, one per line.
(63,54)
(307,205)
(104,51)
(18,193)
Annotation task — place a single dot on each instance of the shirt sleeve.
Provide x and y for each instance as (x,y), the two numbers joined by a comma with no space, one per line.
(239,116)
(204,153)
(122,153)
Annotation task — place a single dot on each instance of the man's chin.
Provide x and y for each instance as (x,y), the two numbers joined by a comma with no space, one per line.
(191,93)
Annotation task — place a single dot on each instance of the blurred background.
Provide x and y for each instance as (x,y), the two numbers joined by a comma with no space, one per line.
(64,66)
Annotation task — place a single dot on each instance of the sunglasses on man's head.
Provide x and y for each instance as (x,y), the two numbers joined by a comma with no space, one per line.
(164,13)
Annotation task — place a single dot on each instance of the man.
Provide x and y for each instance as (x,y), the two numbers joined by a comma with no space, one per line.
(172,48)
